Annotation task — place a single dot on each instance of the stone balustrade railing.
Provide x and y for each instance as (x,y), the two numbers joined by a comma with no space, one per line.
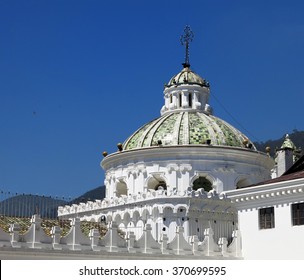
(75,240)
(123,200)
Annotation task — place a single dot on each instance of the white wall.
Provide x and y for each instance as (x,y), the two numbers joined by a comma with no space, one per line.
(224,166)
(284,241)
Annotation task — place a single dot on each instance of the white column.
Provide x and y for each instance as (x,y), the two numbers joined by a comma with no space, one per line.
(196,103)
(172,176)
(184,182)
(174,100)
(130,183)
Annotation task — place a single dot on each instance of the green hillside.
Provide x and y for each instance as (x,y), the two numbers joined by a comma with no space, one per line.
(297,137)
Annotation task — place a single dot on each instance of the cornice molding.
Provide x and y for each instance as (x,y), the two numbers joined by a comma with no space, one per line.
(269,194)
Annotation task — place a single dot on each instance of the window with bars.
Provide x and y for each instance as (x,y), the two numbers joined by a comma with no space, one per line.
(266,218)
(297,212)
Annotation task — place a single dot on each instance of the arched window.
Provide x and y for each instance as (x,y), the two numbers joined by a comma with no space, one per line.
(202,183)
(156,184)
(121,189)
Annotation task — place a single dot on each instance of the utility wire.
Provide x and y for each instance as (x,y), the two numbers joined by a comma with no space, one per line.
(234,119)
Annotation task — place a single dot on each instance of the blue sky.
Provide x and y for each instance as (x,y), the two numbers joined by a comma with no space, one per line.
(77,77)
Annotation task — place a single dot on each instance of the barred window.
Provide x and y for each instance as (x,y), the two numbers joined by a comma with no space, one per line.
(297,212)
(266,218)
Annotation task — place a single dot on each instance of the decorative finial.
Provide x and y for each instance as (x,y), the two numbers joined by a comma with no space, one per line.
(119,146)
(185,39)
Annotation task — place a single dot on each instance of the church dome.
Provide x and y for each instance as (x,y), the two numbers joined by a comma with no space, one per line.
(187,128)
(187,76)
(186,116)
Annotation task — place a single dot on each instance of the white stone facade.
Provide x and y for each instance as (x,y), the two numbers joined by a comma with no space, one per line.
(138,171)
(282,240)
(195,212)
(132,201)
(35,238)
(169,174)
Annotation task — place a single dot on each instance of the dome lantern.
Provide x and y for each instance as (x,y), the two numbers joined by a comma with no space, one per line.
(186,91)
(186,117)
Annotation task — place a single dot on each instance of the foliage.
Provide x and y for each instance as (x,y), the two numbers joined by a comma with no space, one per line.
(297,137)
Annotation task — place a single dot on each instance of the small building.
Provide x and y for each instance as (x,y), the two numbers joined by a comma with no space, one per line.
(271,214)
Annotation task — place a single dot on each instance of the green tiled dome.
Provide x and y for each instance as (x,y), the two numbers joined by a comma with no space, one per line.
(187,76)
(288,144)
(187,128)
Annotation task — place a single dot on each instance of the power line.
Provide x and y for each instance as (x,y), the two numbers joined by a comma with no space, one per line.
(234,119)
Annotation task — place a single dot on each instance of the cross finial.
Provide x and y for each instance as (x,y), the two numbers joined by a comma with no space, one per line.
(185,39)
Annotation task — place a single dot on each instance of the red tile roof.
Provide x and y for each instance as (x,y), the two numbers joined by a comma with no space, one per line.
(294,172)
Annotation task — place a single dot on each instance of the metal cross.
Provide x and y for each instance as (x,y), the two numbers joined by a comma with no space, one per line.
(185,39)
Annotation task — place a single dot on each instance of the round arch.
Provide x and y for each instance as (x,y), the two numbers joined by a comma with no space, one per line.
(109,218)
(241,182)
(180,209)
(102,219)
(121,188)
(117,218)
(168,211)
(126,218)
(155,212)
(202,180)
(135,216)
(156,182)
(145,215)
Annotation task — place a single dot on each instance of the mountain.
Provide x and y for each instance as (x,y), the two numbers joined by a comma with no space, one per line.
(297,137)
(97,193)
(26,205)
